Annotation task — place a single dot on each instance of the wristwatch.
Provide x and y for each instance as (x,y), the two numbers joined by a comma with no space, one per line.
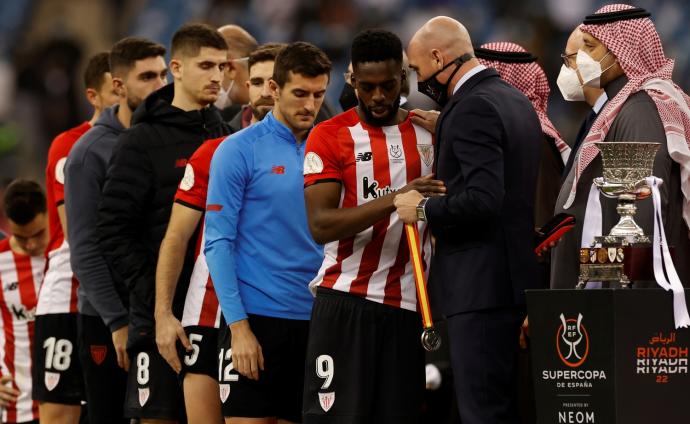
(421,214)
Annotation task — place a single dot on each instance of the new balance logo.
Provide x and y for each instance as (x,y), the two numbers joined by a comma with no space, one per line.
(373,190)
(364,157)
(11,286)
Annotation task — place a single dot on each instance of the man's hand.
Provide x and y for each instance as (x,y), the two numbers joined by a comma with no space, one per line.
(7,393)
(545,250)
(247,355)
(168,331)
(120,342)
(426,119)
(425,185)
(524,333)
(406,205)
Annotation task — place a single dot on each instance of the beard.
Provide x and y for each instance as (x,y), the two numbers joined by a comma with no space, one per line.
(383,121)
(133,103)
(261,108)
(260,114)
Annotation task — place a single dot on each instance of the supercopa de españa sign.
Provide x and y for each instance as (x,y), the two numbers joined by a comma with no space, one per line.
(572,341)
(608,356)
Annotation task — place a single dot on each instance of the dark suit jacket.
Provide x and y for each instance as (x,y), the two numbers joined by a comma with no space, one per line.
(487,153)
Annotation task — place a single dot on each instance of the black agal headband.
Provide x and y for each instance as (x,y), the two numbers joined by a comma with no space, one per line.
(506,57)
(621,15)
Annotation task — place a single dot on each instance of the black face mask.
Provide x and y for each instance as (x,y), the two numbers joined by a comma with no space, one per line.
(348,98)
(436,90)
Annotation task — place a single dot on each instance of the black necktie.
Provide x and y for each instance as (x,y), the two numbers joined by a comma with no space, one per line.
(581,134)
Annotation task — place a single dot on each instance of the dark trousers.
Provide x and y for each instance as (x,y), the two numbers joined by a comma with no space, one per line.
(483,351)
(105,382)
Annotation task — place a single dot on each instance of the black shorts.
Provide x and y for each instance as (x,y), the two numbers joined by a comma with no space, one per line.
(365,362)
(105,382)
(56,371)
(153,389)
(203,359)
(278,392)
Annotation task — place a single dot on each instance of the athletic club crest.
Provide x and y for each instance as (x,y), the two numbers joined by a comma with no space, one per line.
(98,353)
(426,152)
(326,400)
(144,396)
(188,179)
(51,380)
(224,392)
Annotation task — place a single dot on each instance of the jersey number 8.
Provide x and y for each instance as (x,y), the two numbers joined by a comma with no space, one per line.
(143,362)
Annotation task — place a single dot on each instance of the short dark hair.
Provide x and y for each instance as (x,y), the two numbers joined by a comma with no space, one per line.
(190,38)
(94,75)
(300,58)
(127,51)
(23,201)
(376,45)
(265,53)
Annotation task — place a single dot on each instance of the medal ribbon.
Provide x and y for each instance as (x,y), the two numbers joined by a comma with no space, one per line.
(422,296)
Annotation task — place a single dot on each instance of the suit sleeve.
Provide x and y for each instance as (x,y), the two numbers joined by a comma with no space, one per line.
(83,191)
(228,178)
(475,132)
(125,193)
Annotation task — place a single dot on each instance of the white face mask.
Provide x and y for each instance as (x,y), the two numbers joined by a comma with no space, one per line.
(569,84)
(223,99)
(590,69)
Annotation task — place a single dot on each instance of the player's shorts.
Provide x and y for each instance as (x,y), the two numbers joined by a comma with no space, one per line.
(105,382)
(203,358)
(153,388)
(365,362)
(56,371)
(278,392)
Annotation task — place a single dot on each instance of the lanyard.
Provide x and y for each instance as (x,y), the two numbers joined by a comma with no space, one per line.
(430,338)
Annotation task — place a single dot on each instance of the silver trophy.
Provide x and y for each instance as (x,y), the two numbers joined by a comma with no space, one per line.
(626,165)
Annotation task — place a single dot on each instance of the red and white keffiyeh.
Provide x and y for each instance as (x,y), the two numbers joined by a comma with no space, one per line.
(531,80)
(636,45)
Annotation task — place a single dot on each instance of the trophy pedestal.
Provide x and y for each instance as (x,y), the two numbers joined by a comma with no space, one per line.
(616,263)
(608,357)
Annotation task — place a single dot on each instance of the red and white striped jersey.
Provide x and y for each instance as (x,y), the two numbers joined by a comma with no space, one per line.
(20,279)
(201,304)
(59,290)
(370,162)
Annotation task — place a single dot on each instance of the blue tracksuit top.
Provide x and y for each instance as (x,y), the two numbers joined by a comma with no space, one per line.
(258,247)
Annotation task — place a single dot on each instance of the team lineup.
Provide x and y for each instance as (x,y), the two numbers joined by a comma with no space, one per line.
(215,245)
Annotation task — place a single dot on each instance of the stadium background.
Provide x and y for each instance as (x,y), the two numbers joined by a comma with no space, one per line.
(44,45)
